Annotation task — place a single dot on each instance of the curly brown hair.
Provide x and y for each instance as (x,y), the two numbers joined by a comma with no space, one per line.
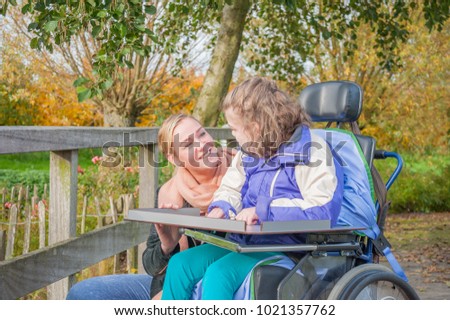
(260,101)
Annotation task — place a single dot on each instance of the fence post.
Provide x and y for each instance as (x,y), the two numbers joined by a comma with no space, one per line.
(19,199)
(148,184)
(2,245)
(62,208)
(41,214)
(3,201)
(132,261)
(83,214)
(11,232)
(115,217)
(13,193)
(27,232)
(34,201)
(99,213)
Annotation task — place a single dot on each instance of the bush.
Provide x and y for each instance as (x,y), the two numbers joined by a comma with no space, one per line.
(11,178)
(422,185)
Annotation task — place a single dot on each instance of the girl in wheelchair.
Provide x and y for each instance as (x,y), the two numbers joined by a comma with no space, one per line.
(282,172)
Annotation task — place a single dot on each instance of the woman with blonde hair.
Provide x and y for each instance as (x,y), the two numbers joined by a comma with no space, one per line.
(199,168)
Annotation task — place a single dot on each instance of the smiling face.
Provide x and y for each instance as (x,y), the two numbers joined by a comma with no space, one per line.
(193,146)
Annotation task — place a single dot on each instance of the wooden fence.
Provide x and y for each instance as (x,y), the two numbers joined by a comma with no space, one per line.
(29,214)
(66,254)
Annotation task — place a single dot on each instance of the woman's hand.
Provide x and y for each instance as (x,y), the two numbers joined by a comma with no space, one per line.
(248,215)
(169,235)
(216,213)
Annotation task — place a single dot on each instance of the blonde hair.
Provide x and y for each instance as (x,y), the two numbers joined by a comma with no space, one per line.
(165,133)
(260,101)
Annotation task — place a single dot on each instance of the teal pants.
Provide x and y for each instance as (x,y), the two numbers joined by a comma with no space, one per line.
(222,272)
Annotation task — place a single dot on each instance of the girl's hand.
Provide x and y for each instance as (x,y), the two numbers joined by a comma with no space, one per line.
(169,235)
(216,213)
(248,215)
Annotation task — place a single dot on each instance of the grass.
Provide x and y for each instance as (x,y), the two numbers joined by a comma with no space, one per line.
(423,184)
(40,161)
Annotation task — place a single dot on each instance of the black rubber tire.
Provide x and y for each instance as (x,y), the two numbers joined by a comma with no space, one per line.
(385,286)
(342,286)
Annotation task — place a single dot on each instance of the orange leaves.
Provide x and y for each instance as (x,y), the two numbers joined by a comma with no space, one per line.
(177,94)
(58,106)
(32,93)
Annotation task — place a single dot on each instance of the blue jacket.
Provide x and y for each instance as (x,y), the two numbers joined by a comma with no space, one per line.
(302,181)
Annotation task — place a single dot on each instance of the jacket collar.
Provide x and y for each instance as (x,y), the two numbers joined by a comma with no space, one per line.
(291,153)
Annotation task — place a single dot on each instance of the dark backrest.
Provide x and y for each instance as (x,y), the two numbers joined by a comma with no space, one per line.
(337,101)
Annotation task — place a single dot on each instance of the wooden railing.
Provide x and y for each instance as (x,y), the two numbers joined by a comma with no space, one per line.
(66,254)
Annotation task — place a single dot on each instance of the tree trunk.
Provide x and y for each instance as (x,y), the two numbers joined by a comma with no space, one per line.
(117,117)
(226,51)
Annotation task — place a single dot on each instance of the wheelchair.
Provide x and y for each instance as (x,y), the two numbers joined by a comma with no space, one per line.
(334,263)
(342,266)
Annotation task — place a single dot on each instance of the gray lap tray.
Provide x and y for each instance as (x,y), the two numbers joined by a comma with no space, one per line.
(190,218)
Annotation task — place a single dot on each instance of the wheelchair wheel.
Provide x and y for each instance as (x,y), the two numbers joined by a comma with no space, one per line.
(382,286)
(372,283)
(342,285)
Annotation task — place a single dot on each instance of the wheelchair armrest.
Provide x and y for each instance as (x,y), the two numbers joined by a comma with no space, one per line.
(383,154)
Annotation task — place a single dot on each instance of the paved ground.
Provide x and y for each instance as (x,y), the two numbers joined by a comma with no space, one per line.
(421,243)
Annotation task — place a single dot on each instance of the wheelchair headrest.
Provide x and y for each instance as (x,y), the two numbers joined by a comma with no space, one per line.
(335,101)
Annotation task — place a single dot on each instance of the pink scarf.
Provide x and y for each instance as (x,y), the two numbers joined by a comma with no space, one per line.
(199,195)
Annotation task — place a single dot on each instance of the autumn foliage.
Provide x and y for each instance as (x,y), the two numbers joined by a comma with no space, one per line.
(32,94)
(179,94)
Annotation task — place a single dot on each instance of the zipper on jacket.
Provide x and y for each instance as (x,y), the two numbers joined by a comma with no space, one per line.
(272,186)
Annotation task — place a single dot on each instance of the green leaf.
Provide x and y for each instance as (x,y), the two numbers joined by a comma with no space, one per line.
(152,35)
(120,8)
(51,26)
(83,93)
(129,64)
(126,51)
(40,6)
(80,81)
(326,34)
(96,31)
(102,14)
(3,9)
(140,51)
(26,8)
(140,27)
(34,44)
(107,84)
(150,9)
(122,30)
(32,26)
